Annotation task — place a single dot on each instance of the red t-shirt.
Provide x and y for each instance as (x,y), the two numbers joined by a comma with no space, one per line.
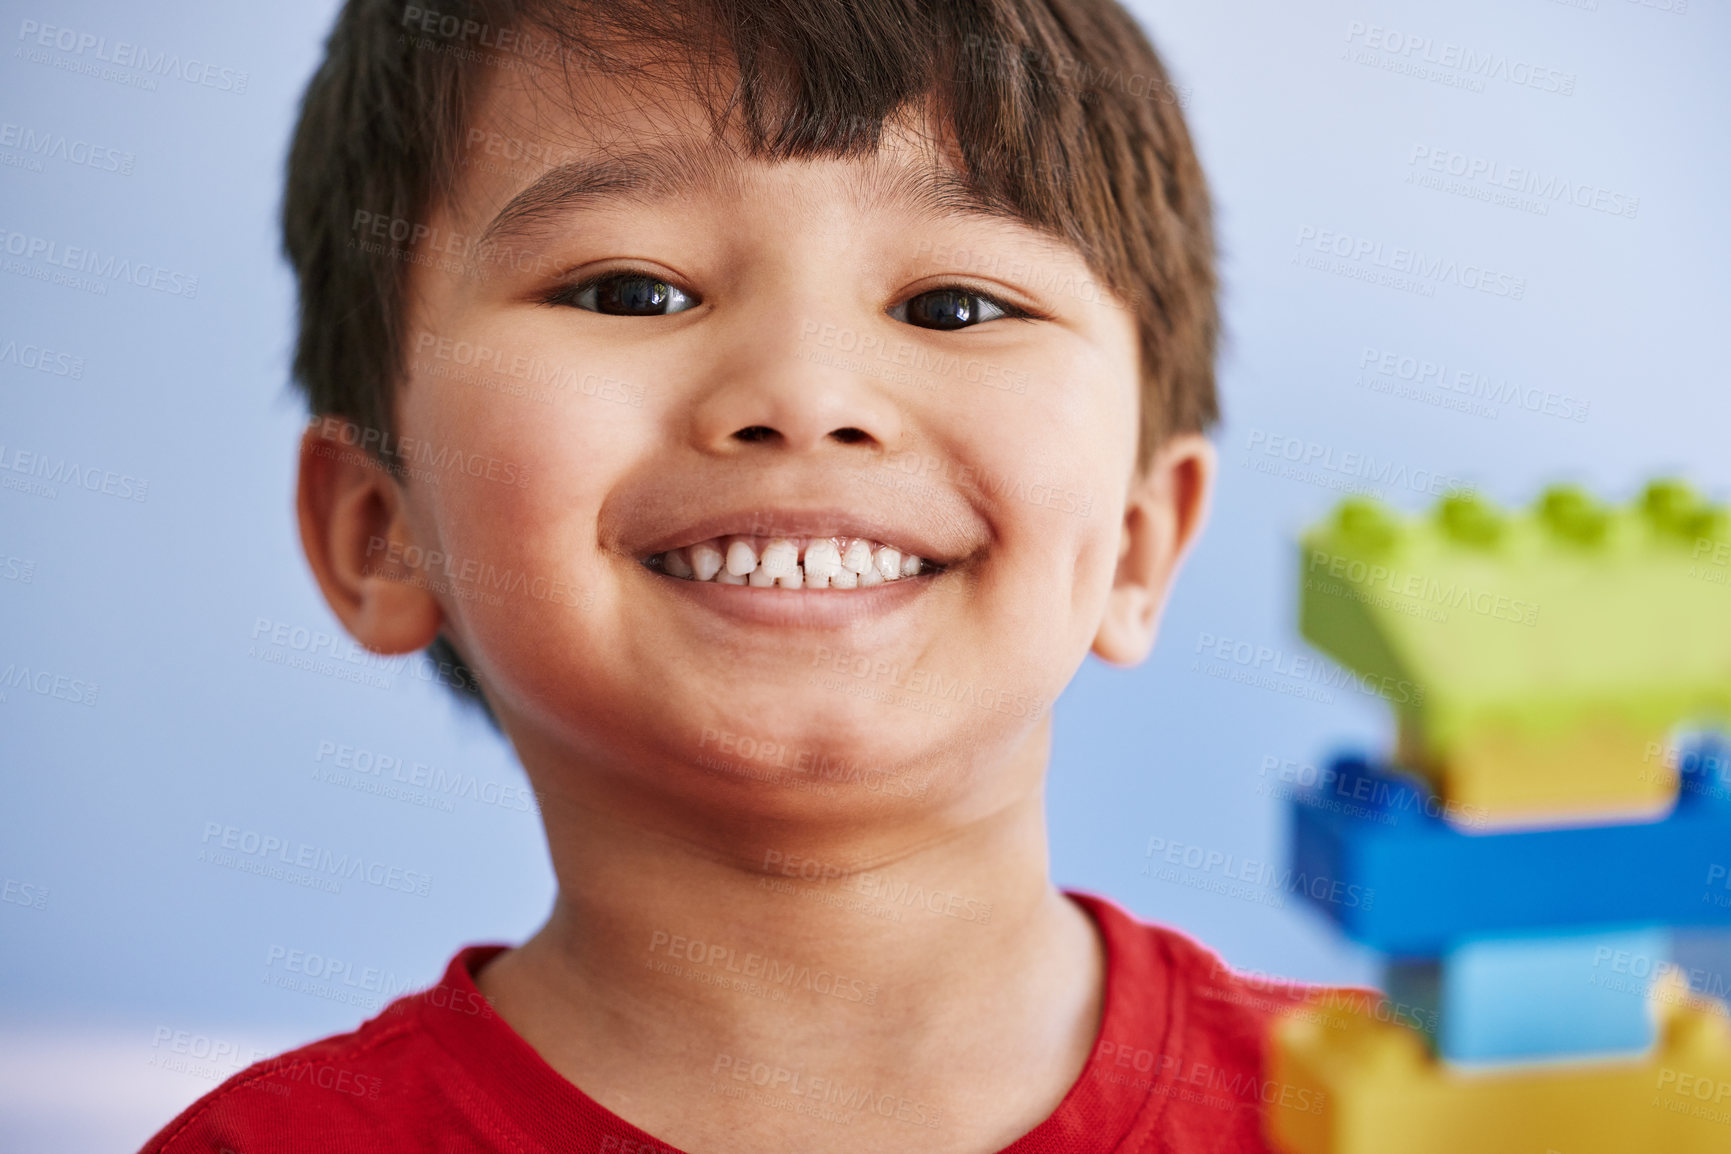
(1179,1066)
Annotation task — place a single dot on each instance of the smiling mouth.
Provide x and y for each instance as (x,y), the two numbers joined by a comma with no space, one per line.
(791,562)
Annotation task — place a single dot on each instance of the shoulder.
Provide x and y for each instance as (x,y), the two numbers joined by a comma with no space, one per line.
(1210,1026)
(381,1084)
(331,1087)
(1204,987)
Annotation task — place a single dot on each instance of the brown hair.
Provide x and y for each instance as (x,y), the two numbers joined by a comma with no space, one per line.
(1059,110)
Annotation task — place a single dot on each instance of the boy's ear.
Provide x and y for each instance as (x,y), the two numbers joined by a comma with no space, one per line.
(1168,503)
(354,528)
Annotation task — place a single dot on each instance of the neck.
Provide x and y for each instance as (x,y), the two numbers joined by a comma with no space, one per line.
(671,963)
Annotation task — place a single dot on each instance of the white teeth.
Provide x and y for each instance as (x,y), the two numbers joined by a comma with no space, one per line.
(780,558)
(858,557)
(827,563)
(822,559)
(741,558)
(705,561)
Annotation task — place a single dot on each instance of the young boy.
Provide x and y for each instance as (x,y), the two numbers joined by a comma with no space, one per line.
(765,408)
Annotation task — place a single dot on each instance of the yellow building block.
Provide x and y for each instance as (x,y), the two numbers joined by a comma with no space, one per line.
(1606,766)
(1384,1094)
(1539,658)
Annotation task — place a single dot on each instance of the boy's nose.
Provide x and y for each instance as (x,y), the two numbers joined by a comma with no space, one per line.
(775,392)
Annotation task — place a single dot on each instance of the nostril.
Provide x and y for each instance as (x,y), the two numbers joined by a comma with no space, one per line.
(851,435)
(755,433)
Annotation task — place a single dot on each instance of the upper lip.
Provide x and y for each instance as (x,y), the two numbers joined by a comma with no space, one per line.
(781,521)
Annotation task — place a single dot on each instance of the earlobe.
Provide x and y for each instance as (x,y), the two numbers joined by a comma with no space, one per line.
(355,530)
(1165,511)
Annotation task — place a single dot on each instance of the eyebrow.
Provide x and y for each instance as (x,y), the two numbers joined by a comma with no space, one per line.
(655,175)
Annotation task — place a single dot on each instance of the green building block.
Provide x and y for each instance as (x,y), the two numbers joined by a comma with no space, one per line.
(1549,652)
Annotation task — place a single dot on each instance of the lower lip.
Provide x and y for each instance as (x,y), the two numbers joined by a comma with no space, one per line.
(799,608)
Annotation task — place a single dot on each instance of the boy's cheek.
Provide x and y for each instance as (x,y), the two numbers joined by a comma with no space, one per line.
(516,568)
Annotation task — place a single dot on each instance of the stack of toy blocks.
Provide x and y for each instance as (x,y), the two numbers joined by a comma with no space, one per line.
(1553,813)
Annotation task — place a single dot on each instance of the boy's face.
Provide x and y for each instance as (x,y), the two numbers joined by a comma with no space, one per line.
(771,358)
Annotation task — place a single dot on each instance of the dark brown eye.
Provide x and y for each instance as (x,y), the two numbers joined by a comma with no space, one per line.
(950,308)
(627,294)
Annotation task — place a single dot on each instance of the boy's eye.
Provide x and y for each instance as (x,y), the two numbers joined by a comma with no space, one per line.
(951,308)
(626,294)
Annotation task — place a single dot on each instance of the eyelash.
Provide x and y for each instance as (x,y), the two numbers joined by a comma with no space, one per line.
(566,293)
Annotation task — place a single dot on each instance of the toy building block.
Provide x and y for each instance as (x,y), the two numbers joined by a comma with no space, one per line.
(1536,997)
(1381,1091)
(1545,654)
(1703,957)
(1423,885)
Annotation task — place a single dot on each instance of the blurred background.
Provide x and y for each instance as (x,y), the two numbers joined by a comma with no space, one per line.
(134,976)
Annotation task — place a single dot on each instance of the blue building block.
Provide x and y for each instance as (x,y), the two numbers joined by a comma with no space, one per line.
(1511,999)
(1703,960)
(1422,885)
